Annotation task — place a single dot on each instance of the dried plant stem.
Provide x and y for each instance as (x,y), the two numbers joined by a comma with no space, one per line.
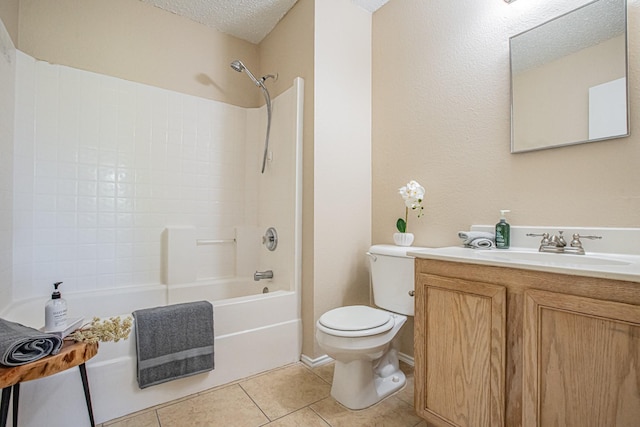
(113,329)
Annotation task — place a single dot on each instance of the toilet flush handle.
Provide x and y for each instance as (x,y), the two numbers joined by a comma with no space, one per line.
(373,257)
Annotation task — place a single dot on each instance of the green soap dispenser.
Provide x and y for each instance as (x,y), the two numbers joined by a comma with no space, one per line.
(503,231)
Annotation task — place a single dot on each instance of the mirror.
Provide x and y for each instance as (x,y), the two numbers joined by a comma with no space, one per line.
(569,79)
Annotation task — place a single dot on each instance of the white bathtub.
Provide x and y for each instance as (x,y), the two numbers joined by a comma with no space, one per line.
(254,332)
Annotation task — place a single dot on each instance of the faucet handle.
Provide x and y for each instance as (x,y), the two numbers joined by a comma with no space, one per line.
(545,237)
(576,240)
(589,237)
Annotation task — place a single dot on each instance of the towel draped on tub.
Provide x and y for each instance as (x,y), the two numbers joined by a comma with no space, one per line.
(21,344)
(173,341)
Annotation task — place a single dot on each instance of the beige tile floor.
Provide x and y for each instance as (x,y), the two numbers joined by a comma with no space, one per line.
(291,396)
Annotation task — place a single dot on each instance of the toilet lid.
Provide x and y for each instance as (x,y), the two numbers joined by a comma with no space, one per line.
(355,318)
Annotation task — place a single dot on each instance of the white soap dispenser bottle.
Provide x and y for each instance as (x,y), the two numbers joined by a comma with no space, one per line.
(55,312)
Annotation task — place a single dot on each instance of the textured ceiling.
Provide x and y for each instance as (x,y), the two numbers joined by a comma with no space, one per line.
(249,20)
(569,33)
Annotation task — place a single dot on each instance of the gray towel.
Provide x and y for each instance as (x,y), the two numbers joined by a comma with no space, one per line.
(174,341)
(21,344)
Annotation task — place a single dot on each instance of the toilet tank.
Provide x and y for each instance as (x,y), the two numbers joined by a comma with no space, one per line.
(392,276)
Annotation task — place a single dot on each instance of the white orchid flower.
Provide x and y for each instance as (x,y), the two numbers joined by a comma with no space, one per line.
(413,195)
(412,190)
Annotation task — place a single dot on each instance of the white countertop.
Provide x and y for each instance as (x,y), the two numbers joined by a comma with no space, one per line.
(603,265)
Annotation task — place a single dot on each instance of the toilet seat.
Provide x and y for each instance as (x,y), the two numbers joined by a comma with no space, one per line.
(355,321)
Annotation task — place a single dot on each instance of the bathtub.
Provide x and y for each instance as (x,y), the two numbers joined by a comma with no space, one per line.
(254,332)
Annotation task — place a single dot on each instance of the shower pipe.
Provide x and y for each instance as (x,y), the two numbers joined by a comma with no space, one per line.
(238,66)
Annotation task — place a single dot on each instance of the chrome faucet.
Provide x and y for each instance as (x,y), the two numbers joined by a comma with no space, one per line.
(576,244)
(259,275)
(549,243)
(557,244)
(557,241)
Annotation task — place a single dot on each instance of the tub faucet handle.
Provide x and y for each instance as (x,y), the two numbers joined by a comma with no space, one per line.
(270,239)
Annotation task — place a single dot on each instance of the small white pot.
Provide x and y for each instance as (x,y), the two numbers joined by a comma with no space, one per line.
(403,239)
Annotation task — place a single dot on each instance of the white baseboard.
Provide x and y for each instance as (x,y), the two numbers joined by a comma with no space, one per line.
(324,359)
(406,359)
(314,363)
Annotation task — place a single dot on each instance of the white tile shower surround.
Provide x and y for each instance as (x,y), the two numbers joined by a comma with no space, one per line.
(102,165)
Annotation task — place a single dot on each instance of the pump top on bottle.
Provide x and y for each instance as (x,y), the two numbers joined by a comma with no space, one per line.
(55,312)
(503,231)
(56,293)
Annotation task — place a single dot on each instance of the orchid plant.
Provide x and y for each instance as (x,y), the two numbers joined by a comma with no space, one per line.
(413,194)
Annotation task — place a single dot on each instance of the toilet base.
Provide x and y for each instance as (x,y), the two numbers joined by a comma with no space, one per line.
(359,384)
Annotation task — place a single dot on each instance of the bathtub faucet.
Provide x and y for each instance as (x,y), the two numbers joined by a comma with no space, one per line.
(259,275)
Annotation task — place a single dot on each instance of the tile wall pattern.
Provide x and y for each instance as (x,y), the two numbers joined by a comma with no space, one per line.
(102,165)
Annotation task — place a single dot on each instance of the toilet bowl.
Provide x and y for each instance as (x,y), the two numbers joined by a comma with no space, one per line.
(366,361)
(363,340)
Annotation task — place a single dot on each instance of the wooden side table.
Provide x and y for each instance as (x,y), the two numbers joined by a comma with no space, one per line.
(72,354)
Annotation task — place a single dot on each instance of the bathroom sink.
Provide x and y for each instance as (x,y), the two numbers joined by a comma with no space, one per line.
(613,256)
(569,260)
(597,264)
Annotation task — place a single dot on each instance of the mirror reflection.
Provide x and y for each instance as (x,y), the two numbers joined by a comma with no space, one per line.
(569,79)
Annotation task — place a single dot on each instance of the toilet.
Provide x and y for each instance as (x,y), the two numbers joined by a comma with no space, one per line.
(361,339)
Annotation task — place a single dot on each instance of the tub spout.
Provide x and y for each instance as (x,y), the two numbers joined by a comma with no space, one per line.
(259,275)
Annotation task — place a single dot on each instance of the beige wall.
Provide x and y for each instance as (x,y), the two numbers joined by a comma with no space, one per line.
(441,116)
(9,17)
(328,44)
(342,158)
(135,41)
(289,51)
(441,99)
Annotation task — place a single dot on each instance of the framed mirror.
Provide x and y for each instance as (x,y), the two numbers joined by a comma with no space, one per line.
(569,79)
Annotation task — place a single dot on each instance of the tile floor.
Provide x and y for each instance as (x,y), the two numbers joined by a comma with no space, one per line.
(291,396)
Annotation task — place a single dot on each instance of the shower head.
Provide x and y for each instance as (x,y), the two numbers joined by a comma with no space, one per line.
(237,65)
(240,67)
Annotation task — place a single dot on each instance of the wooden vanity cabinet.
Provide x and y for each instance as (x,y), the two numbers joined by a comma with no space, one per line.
(459,356)
(581,361)
(499,346)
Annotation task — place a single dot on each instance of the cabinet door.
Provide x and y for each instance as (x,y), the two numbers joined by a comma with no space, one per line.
(460,352)
(581,362)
